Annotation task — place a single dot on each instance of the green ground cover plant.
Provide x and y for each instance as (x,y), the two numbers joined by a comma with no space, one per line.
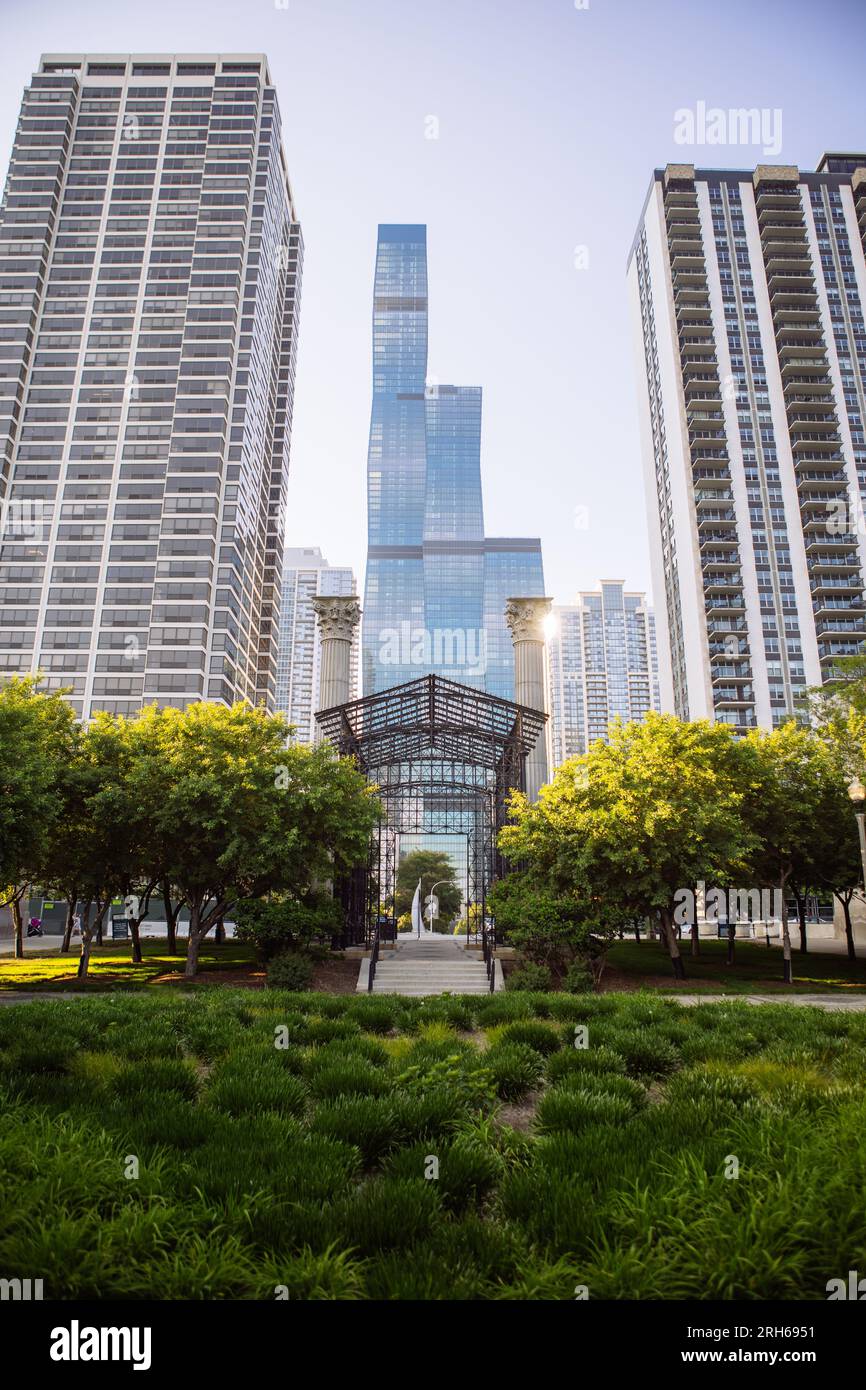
(229,1144)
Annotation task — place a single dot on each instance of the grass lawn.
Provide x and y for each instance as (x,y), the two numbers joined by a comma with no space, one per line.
(228,1144)
(756,969)
(111,966)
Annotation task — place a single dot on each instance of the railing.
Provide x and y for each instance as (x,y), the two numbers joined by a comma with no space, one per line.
(488,943)
(374,958)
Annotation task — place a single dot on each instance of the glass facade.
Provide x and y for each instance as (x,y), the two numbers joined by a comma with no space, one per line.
(306,573)
(749,287)
(436,586)
(603,666)
(150,261)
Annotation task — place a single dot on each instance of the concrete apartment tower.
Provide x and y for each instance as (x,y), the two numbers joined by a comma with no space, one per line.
(603,665)
(306,577)
(748,290)
(150,265)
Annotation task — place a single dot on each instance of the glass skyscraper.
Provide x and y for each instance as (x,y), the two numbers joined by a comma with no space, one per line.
(150,264)
(306,574)
(748,294)
(436,586)
(603,666)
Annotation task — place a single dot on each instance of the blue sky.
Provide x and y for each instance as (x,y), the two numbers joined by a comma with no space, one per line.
(550,121)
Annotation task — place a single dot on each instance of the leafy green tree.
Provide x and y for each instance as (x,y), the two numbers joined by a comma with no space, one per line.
(555,931)
(91,839)
(278,924)
(636,820)
(793,790)
(431,867)
(242,815)
(37,736)
(847,685)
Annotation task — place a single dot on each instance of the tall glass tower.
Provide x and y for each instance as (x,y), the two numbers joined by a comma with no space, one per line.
(436,586)
(150,268)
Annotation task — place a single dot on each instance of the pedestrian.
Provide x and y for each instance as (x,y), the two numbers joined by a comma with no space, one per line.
(76,924)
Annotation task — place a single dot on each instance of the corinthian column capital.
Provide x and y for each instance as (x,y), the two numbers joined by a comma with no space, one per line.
(525,618)
(338,615)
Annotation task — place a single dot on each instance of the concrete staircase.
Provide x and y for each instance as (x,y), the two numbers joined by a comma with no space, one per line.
(429,964)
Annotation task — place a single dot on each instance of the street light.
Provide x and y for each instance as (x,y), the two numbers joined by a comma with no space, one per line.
(430,900)
(857,793)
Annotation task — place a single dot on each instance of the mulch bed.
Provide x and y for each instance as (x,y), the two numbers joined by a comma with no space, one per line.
(252,977)
(329,977)
(336,976)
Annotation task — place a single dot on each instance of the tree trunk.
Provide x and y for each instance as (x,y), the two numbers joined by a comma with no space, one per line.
(135,936)
(67,930)
(637,929)
(86,940)
(732,936)
(220,931)
(696,940)
(788,969)
(801,915)
(18,926)
(193,941)
(669,937)
(849,929)
(192,945)
(171,916)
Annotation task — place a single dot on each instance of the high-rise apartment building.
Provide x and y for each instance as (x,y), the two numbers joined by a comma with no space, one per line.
(748,291)
(436,587)
(150,263)
(602,666)
(306,574)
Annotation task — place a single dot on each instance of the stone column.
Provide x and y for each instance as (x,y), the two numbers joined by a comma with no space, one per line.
(338,615)
(525,618)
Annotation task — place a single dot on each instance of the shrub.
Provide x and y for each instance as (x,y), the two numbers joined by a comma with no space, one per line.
(578,979)
(371,1123)
(466,1169)
(155,1077)
(385,1215)
(375,1015)
(282,925)
(348,1076)
(492,1009)
(646,1053)
(515,1068)
(538,1036)
(575,1109)
(529,976)
(607,1084)
(583,1061)
(242,1086)
(290,970)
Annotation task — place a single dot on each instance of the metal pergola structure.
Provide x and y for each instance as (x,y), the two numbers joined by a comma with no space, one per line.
(443,757)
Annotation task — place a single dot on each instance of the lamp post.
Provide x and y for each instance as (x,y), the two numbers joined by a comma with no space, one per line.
(857,793)
(430,901)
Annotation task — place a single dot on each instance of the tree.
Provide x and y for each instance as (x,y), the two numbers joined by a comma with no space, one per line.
(92,842)
(792,789)
(555,931)
(242,815)
(637,820)
(431,867)
(37,736)
(285,923)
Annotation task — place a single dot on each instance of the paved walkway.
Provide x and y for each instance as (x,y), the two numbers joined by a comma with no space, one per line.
(851,1003)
